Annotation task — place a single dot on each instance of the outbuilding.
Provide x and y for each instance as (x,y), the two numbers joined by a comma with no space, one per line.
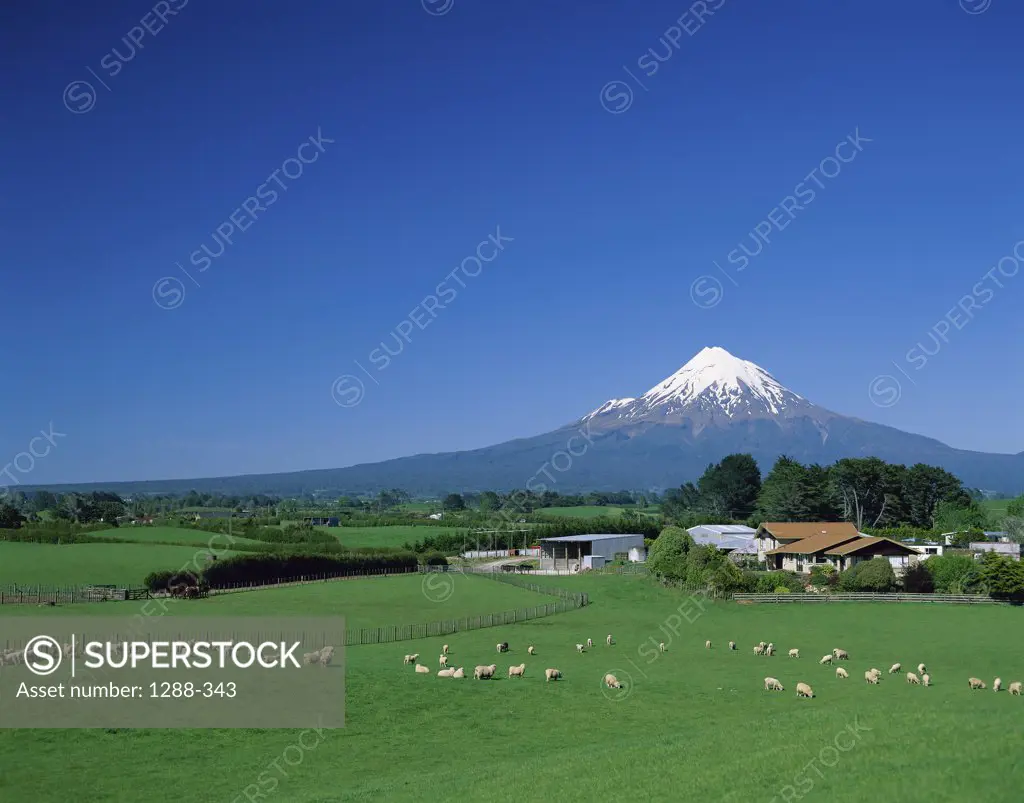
(568,552)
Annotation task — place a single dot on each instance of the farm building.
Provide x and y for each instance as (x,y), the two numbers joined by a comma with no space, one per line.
(577,552)
(734,539)
(775,535)
(321,521)
(900,556)
(1010,550)
(836,544)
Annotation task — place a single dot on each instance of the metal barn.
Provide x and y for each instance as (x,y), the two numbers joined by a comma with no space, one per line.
(569,552)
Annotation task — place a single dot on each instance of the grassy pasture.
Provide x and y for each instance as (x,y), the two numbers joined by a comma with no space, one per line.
(147,534)
(580,512)
(692,724)
(100,563)
(383,536)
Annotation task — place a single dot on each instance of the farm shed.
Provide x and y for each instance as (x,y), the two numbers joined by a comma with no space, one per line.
(715,533)
(569,551)
(1009,550)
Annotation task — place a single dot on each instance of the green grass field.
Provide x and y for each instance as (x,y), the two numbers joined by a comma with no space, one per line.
(580,512)
(383,536)
(81,564)
(692,724)
(996,509)
(147,534)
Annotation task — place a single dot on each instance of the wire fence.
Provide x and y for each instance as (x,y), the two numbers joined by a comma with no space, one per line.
(956,599)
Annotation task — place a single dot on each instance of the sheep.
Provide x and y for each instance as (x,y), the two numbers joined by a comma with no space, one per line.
(871,677)
(841,655)
(531,650)
(484,672)
(803,690)
(608,640)
(326,654)
(1015,688)
(661,646)
(895,668)
(769,650)
(579,648)
(926,679)
(773,684)
(732,645)
(841,673)
(913,679)
(444,650)
(876,672)
(459,673)
(311,658)
(758,649)
(762,645)
(794,653)
(551,674)
(590,643)
(446,673)
(423,670)
(825,659)
(974,683)
(443,661)
(921,669)
(410,659)
(612,682)
(516,671)
(707,644)
(997,684)
(502,647)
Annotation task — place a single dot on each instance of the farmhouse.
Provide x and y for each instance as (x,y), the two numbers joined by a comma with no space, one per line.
(901,556)
(774,535)
(836,544)
(591,550)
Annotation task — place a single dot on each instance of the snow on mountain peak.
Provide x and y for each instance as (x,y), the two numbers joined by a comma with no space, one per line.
(713,382)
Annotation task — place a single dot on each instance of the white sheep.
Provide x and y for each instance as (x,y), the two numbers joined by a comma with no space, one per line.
(803,690)
(895,668)
(926,679)
(445,673)
(758,649)
(311,657)
(772,684)
(794,653)
(612,682)
(459,673)
(326,654)
(997,684)
(1015,688)
(841,655)
(516,671)
(707,644)
(662,646)
(974,683)
(877,672)
(826,659)
(608,640)
(769,650)
(443,661)
(590,643)
(444,650)
(484,672)
(423,670)
(579,648)
(841,673)
(762,645)
(531,650)
(921,669)
(732,645)
(913,679)
(411,659)
(499,646)
(871,677)
(551,674)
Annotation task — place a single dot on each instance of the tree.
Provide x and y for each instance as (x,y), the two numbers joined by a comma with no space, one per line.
(952,516)
(953,574)
(287,509)
(875,575)
(42,500)
(489,502)
(1015,507)
(667,555)
(454,502)
(1003,577)
(917,579)
(866,490)
(793,492)
(729,489)
(10,517)
(924,487)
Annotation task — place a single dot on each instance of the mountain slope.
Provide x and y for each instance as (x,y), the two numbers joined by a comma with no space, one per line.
(716,404)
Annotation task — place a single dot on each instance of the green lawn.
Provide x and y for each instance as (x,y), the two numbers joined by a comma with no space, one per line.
(383,536)
(691,725)
(81,564)
(996,509)
(581,512)
(146,534)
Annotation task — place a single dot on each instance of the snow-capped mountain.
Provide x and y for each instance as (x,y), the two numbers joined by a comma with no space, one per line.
(713,387)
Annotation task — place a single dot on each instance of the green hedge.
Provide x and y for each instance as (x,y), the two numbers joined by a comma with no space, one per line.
(275,567)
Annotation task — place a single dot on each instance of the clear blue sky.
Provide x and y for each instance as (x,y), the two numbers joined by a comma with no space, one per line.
(446,127)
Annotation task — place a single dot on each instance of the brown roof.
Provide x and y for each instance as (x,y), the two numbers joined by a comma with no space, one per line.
(862,543)
(796,530)
(814,544)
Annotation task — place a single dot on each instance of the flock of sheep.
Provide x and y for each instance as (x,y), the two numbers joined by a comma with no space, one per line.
(322,657)
(485,672)
(871,676)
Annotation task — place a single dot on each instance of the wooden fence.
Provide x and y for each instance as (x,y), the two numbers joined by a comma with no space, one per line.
(964,599)
(64,595)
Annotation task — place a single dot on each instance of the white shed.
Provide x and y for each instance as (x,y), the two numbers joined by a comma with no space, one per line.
(567,552)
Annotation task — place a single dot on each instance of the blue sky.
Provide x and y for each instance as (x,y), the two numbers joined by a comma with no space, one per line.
(447,128)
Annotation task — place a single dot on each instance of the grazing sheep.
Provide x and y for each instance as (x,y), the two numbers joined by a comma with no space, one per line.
(410,659)
(871,677)
(443,661)
(612,682)
(551,674)
(913,679)
(516,671)
(311,658)
(826,659)
(1015,688)
(608,640)
(579,648)
(926,679)
(762,645)
(772,684)
(841,673)
(803,690)
(841,655)
(707,644)
(895,668)
(444,650)
(732,645)
(531,650)
(484,672)
(769,650)
(504,646)
(921,669)
(499,646)
(446,673)
(326,654)
(423,670)
(590,643)
(794,653)
(459,673)
(877,672)
(758,649)
(997,684)
(661,646)
(974,683)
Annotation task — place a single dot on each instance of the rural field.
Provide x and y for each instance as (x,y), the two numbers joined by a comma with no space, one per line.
(64,565)
(690,724)
(393,536)
(181,535)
